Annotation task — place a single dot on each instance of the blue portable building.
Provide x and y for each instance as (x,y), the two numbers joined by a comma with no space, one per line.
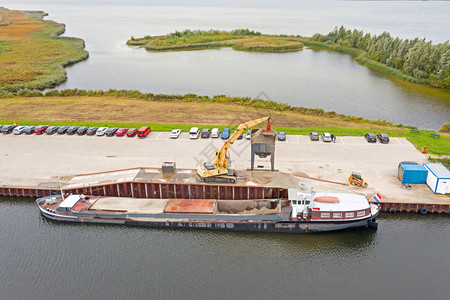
(408,173)
(438,178)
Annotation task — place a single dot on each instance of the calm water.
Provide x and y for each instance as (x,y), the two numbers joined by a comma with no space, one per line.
(407,258)
(309,78)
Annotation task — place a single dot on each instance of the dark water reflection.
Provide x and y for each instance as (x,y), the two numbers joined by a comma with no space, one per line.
(41,259)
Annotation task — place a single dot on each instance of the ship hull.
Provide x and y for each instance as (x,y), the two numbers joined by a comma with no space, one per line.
(268,226)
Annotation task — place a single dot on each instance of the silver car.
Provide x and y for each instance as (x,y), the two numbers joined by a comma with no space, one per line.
(19,129)
(215,132)
(175,133)
(101,131)
(326,137)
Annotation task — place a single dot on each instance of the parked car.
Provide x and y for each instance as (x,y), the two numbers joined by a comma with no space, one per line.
(194,132)
(51,129)
(7,129)
(225,134)
(82,130)
(143,131)
(72,130)
(206,132)
(282,136)
(215,133)
(92,130)
(314,136)
(175,133)
(111,131)
(40,129)
(132,132)
(383,138)
(121,131)
(101,131)
(62,129)
(19,129)
(326,137)
(371,138)
(30,129)
(249,134)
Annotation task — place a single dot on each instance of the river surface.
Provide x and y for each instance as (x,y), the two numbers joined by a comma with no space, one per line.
(317,79)
(407,258)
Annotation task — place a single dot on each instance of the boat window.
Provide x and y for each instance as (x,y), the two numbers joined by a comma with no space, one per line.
(294,201)
(349,214)
(337,215)
(325,215)
(360,213)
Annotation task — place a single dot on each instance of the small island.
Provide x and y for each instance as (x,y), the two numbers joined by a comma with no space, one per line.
(239,39)
(415,61)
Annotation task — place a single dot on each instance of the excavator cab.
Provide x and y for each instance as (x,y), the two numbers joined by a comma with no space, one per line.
(356,179)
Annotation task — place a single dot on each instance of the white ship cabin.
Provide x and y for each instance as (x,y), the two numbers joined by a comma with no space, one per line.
(338,206)
(69,202)
(300,200)
(327,206)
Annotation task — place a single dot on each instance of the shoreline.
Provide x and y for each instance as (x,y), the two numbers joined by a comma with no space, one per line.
(48,53)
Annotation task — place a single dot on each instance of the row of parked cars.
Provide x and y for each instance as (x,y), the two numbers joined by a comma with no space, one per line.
(382,137)
(194,133)
(205,133)
(370,137)
(79,130)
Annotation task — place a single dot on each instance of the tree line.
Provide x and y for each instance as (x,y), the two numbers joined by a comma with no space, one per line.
(417,58)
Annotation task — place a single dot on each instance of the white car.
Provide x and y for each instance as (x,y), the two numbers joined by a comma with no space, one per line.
(249,134)
(19,129)
(194,133)
(101,131)
(215,132)
(326,137)
(175,133)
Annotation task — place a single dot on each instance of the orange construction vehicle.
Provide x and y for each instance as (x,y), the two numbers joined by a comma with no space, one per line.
(356,179)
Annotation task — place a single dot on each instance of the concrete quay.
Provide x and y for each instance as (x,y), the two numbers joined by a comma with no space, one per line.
(36,162)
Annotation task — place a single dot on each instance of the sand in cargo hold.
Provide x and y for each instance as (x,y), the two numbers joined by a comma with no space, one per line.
(131,205)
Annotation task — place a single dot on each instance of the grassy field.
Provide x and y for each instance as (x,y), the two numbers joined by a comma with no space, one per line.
(165,115)
(240,39)
(31,53)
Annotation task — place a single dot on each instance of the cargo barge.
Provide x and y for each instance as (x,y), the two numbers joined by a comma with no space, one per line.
(303,212)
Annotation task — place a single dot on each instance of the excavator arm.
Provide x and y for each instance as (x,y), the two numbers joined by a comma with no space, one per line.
(220,159)
(207,171)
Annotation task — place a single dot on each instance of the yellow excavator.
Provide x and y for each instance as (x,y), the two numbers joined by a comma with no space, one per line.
(217,171)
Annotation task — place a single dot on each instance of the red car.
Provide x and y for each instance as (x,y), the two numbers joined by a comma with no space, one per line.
(143,131)
(121,131)
(40,129)
(132,132)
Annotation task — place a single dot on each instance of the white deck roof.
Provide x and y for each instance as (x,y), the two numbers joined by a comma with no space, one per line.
(70,201)
(438,169)
(347,202)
